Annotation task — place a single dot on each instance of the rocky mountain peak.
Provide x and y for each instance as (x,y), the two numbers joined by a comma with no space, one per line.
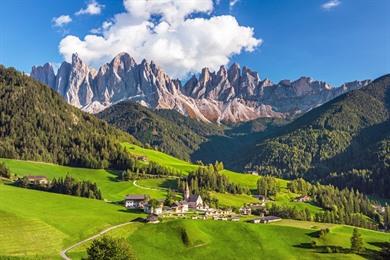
(232,94)
(44,74)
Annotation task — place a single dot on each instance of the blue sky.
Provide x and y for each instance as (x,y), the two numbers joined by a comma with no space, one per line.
(299,37)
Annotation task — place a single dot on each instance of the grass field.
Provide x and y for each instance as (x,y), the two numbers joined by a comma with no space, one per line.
(112,189)
(39,224)
(229,240)
(285,197)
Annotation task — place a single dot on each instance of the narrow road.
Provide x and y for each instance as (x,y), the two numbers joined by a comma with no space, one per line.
(63,252)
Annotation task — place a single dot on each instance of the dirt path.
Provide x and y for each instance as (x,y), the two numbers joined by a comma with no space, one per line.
(63,252)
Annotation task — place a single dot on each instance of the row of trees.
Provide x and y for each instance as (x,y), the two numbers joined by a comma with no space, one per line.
(67,185)
(152,170)
(267,186)
(344,206)
(208,178)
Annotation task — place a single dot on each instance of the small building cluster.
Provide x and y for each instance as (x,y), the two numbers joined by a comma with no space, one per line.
(266,220)
(195,205)
(37,180)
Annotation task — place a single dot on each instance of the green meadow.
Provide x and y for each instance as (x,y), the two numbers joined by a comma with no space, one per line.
(237,240)
(106,180)
(36,223)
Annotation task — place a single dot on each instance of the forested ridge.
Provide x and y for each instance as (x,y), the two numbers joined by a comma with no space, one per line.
(345,142)
(37,124)
(166,130)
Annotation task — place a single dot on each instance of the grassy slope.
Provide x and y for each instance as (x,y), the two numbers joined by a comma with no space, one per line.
(106,180)
(238,240)
(285,197)
(41,223)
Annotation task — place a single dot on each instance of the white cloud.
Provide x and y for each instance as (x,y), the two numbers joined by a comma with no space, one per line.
(166,32)
(93,8)
(331,4)
(61,20)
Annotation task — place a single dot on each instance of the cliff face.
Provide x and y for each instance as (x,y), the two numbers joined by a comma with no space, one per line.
(229,95)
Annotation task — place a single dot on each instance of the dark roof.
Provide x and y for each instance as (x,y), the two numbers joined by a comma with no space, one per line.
(152,217)
(193,198)
(135,197)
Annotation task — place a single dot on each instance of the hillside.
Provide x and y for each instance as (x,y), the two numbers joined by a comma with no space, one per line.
(345,142)
(229,240)
(37,124)
(167,130)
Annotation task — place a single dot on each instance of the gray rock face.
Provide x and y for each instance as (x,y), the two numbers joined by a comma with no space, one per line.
(44,74)
(229,95)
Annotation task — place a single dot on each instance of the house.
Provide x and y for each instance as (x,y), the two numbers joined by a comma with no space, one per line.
(245,211)
(266,220)
(180,207)
(135,201)
(153,210)
(37,180)
(304,198)
(142,158)
(153,219)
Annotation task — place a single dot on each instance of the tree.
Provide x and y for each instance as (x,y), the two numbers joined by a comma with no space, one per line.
(4,171)
(107,248)
(356,241)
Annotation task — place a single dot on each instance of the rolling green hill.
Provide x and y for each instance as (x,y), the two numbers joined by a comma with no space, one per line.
(345,142)
(39,224)
(168,130)
(230,240)
(37,124)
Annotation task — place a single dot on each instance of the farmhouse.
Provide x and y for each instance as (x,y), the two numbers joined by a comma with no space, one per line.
(148,208)
(37,180)
(180,207)
(245,211)
(266,220)
(304,198)
(135,201)
(142,158)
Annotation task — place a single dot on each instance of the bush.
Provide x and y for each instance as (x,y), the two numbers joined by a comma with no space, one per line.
(4,171)
(107,248)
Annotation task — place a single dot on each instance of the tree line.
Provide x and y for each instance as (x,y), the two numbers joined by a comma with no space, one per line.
(67,185)
(208,178)
(345,206)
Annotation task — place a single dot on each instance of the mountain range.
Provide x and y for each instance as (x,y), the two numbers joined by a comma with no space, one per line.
(229,95)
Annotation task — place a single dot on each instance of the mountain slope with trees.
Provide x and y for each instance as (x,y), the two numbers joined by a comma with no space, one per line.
(345,142)
(37,124)
(166,130)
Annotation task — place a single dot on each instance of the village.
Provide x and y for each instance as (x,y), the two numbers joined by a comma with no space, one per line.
(193,207)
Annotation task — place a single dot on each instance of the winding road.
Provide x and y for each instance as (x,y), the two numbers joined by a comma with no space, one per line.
(63,252)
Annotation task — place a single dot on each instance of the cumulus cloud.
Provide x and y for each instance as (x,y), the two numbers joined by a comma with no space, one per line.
(168,33)
(331,4)
(93,8)
(61,20)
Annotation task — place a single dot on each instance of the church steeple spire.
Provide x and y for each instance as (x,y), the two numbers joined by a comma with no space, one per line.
(186,192)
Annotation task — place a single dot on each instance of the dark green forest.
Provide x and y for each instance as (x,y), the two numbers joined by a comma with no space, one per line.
(166,130)
(37,124)
(345,142)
